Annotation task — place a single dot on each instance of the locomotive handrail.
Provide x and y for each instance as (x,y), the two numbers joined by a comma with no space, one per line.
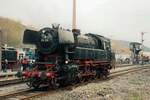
(43,63)
(91,49)
(69,52)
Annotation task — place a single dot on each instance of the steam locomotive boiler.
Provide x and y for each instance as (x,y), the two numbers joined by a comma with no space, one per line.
(64,57)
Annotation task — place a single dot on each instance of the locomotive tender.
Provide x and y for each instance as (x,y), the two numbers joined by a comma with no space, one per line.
(64,57)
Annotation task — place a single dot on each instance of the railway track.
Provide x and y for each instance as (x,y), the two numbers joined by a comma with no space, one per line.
(30,93)
(123,65)
(10,82)
(126,71)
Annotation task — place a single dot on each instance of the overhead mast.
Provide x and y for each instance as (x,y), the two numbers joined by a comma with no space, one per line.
(142,40)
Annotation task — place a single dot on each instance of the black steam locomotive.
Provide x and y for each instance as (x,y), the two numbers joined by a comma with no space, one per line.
(64,56)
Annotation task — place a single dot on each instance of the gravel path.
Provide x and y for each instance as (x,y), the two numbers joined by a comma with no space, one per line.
(9,89)
(132,86)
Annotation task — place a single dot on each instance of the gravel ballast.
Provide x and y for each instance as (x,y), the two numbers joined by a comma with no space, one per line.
(132,86)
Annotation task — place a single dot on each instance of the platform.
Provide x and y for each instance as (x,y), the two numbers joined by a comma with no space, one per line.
(9,73)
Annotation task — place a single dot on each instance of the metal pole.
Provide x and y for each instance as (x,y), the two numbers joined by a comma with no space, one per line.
(142,40)
(74,15)
(4,37)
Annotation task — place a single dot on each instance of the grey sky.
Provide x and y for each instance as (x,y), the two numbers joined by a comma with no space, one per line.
(119,19)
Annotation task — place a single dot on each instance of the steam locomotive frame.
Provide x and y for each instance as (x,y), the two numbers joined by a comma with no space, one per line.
(64,57)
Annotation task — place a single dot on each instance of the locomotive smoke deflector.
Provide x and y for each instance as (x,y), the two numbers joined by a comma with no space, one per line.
(30,37)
